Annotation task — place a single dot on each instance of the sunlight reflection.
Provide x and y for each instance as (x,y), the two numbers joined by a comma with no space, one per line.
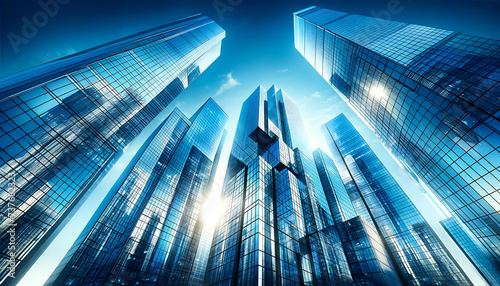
(212,209)
(378,92)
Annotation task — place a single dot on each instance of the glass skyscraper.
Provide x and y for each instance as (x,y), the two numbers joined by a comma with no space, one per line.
(473,249)
(430,94)
(336,194)
(64,123)
(201,260)
(418,254)
(148,229)
(277,228)
(368,259)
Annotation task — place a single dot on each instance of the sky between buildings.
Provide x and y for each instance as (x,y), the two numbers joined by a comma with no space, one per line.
(258,50)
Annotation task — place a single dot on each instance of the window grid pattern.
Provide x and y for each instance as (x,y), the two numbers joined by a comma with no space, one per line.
(245,149)
(405,44)
(122,210)
(222,259)
(257,265)
(273,229)
(61,135)
(280,156)
(357,201)
(152,224)
(295,265)
(418,253)
(369,262)
(438,113)
(473,249)
(362,30)
(208,228)
(336,194)
(326,244)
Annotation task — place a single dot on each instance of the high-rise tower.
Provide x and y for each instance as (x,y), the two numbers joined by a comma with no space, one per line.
(335,191)
(63,123)
(431,95)
(277,227)
(366,253)
(418,254)
(148,229)
(484,262)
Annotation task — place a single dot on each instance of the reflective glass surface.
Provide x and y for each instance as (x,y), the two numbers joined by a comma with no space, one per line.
(486,264)
(150,229)
(277,227)
(430,94)
(418,254)
(369,261)
(336,194)
(63,123)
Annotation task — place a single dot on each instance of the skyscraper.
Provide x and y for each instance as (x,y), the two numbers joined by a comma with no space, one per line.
(277,227)
(209,224)
(430,94)
(368,258)
(484,262)
(328,178)
(336,194)
(418,254)
(63,123)
(149,228)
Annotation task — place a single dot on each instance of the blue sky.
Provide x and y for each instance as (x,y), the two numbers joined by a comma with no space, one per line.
(258,50)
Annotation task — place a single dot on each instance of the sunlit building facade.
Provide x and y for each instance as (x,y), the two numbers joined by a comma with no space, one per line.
(418,254)
(209,220)
(368,258)
(484,262)
(149,229)
(335,191)
(64,123)
(277,228)
(431,95)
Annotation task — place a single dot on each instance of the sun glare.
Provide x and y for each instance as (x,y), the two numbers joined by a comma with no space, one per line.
(212,209)
(378,92)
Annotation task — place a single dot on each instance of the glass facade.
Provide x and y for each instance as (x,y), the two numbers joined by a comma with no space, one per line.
(149,230)
(64,123)
(485,263)
(367,255)
(336,194)
(201,260)
(430,94)
(368,259)
(418,254)
(277,228)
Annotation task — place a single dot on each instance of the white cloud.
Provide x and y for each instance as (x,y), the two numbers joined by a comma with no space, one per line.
(317,94)
(180,104)
(284,70)
(330,99)
(229,83)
